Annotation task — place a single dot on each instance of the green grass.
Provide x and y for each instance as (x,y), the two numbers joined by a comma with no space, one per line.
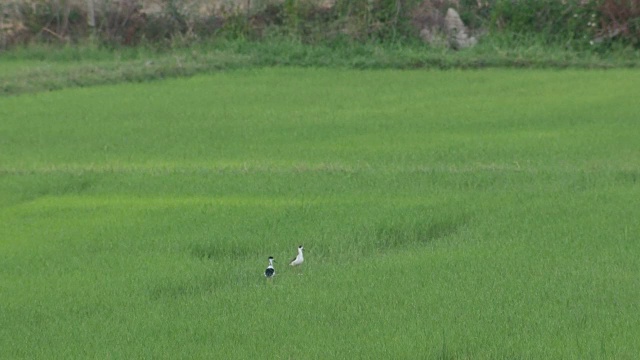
(38,68)
(446,214)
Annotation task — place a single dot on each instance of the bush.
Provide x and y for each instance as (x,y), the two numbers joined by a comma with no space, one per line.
(621,19)
(573,23)
(556,21)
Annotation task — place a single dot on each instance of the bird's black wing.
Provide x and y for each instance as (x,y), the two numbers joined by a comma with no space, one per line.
(269,272)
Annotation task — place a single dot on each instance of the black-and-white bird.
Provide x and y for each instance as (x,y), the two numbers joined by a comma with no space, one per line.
(270,271)
(299,259)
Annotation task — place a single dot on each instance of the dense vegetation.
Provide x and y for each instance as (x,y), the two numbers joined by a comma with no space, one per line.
(446,214)
(575,24)
(49,45)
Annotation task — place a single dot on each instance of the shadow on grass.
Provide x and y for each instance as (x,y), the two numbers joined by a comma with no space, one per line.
(390,236)
(27,187)
(220,251)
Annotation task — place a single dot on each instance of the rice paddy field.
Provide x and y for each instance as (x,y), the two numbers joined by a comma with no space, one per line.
(477,214)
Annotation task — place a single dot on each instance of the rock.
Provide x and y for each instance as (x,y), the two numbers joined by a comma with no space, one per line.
(457,32)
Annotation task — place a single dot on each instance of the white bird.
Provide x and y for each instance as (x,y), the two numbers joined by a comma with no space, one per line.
(298,259)
(270,271)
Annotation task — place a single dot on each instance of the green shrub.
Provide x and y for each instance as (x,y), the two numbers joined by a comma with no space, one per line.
(575,24)
(619,19)
(553,20)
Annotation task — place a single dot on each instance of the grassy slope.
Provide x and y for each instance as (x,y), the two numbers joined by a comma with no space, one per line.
(41,68)
(481,214)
